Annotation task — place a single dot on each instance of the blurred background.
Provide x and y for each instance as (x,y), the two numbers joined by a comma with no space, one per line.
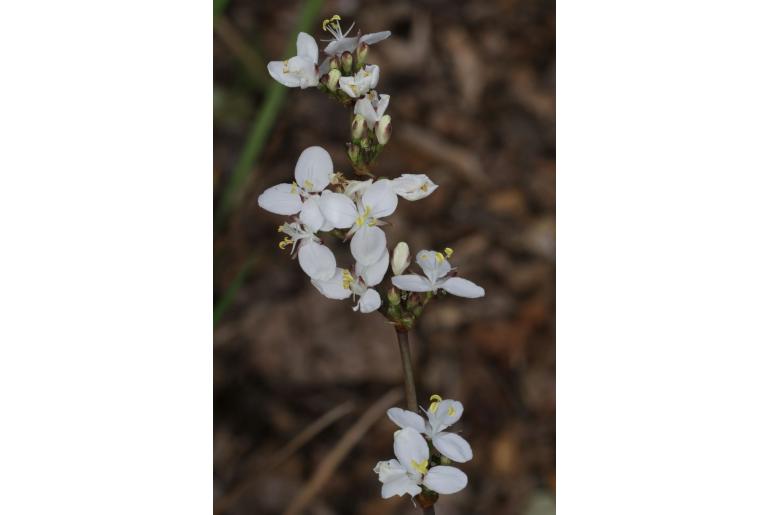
(301,382)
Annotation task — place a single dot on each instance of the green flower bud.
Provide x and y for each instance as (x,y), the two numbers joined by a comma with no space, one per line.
(382,129)
(361,53)
(354,153)
(334,64)
(393,297)
(346,61)
(333,80)
(358,127)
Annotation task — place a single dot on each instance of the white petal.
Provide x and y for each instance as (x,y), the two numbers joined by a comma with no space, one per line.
(453,446)
(280,200)
(404,418)
(375,37)
(369,301)
(409,446)
(445,480)
(276,71)
(307,47)
(380,198)
(314,169)
(311,215)
(373,274)
(351,87)
(435,267)
(338,209)
(411,282)
(400,486)
(413,186)
(462,288)
(368,244)
(317,260)
(388,470)
(382,105)
(341,45)
(333,289)
(447,413)
(373,76)
(354,187)
(365,109)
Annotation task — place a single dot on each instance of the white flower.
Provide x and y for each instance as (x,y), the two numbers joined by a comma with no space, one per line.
(400,260)
(362,217)
(359,84)
(312,174)
(353,188)
(411,469)
(372,108)
(316,260)
(441,415)
(436,266)
(343,284)
(301,70)
(342,43)
(413,186)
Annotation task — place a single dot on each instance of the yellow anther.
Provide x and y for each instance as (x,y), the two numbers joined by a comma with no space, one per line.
(280,228)
(451,411)
(361,219)
(439,257)
(421,467)
(308,184)
(434,400)
(286,67)
(293,187)
(448,252)
(336,17)
(347,279)
(285,243)
(424,186)
(325,23)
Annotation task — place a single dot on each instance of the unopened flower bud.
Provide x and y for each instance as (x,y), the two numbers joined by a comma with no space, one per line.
(354,153)
(382,129)
(334,64)
(393,297)
(361,53)
(333,79)
(358,127)
(400,260)
(324,80)
(346,62)
(412,301)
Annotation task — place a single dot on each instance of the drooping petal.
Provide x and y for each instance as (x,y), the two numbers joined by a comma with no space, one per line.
(445,480)
(411,282)
(462,288)
(400,486)
(433,264)
(447,413)
(373,274)
(453,446)
(311,215)
(314,169)
(338,209)
(307,47)
(375,37)
(279,71)
(317,260)
(282,199)
(365,109)
(369,301)
(413,186)
(410,448)
(405,418)
(380,198)
(367,244)
(333,288)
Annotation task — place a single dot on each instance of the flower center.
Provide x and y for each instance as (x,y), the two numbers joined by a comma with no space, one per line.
(421,467)
(308,184)
(362,218)
(434,400)
(293,187)
(347,279)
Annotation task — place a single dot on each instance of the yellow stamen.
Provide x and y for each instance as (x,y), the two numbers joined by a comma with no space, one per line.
(448,252)
(285,243)
(308,184)
(451,411)
(434,400)
(347,279)
(361,219)
(280,228)
(293,187)
(421,467)
(439,257)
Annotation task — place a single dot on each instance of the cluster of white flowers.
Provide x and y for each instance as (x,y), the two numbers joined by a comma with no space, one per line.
(414,467)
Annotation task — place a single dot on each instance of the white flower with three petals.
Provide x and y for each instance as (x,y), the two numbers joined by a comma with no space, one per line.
(312,175)
(343,284)
(359,84)
(441,413)
(411,469)
(301,70)
(340,41)
(372,107)
(362,218)
(436,266)
(315,259)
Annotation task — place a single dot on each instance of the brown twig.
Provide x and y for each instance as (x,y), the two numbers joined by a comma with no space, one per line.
(340,451)
(410,390)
